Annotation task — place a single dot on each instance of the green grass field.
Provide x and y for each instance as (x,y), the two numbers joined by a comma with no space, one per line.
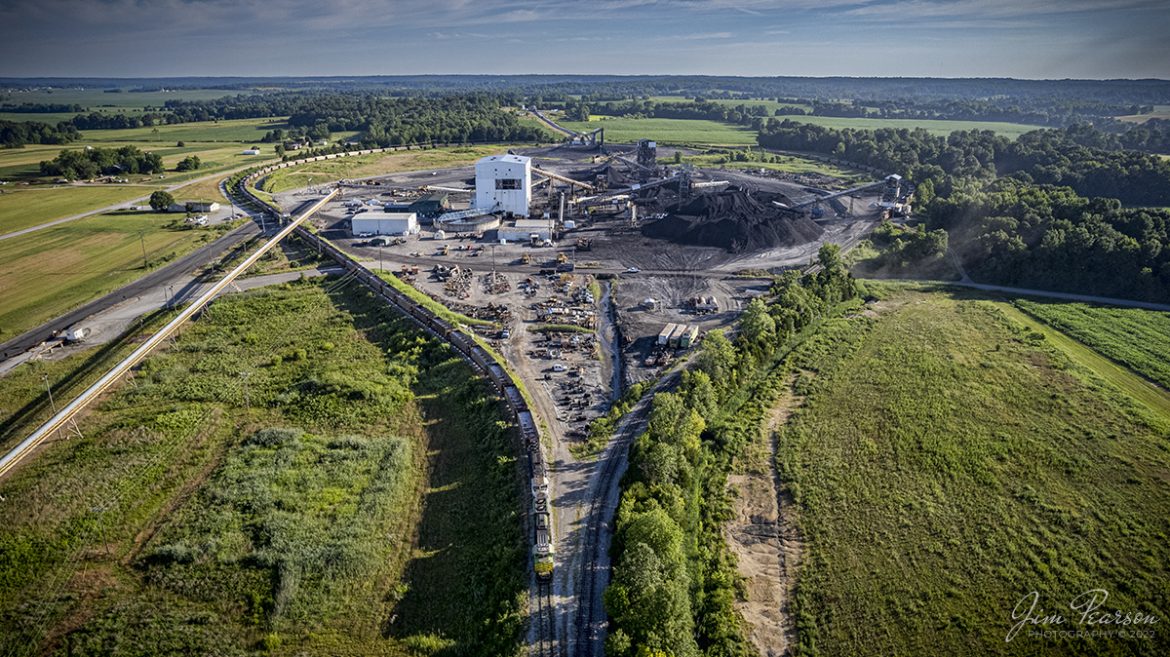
(238,130)
(948,460)
(1137,339)
(260,489)
(786,163)
(667,131)
(935,127)
(47,273)
(375,164)
(22,207)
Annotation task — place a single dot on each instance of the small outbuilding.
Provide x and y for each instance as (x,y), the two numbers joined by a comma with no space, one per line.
(525,230)
(377,222)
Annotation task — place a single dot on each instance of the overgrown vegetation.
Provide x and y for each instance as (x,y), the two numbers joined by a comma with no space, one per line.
(947,462)
(256,488)
(899,251)
(1138,339)
(674,579)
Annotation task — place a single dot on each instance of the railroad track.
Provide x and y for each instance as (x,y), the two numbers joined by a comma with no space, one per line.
(594,564)
(546,644)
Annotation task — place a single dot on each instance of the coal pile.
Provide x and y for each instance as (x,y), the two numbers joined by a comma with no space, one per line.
(734,219)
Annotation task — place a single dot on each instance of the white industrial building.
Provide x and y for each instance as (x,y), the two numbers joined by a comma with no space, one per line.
(377,222)
(503,183)
(524,230)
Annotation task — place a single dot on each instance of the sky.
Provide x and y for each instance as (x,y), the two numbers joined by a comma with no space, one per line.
(905,38)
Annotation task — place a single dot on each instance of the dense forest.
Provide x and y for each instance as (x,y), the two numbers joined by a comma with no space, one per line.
(1043,156)
(1046,237)
(1044,211)
(674,579)
(87,163)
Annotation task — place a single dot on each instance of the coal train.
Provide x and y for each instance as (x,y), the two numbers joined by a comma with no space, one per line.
(543,552)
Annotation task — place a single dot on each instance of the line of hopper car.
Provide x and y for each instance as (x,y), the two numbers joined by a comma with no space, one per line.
(543,552)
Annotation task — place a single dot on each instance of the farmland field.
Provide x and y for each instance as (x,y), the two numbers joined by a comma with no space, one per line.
(1160,112)
(770,104)
(260,485)
(47,273)
(935,127)
(667,131)
(946,462)
(99,100)
(1138,339)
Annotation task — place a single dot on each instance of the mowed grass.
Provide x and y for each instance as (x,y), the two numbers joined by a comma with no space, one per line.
(235,130)
(946,462)
(1136,338)
(376,164)
(258,486)
(46,273)
(935,127)
(667,131)
(22,207)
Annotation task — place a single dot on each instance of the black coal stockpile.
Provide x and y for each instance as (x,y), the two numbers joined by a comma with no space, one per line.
(734,219)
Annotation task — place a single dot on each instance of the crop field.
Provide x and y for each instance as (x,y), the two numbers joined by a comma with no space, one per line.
(948,461)
(935,127)
(262,488)
(667,131)
(47,273)
(375,164)
(1138,339)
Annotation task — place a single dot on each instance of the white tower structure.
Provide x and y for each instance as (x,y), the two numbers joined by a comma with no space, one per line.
(503,183)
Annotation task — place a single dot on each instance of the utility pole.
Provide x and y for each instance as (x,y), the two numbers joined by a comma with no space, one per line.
(170,296)
(142,241)
(49,389)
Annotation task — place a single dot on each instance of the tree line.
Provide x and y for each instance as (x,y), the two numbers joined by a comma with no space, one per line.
(14,134)
(674,579)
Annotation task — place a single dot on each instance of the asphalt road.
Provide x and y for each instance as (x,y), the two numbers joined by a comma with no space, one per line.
(159,277)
